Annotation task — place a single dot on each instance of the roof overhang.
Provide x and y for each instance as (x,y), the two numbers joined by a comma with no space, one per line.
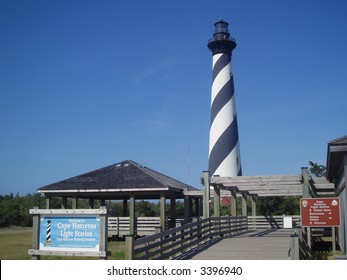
(337,149)
(140,193)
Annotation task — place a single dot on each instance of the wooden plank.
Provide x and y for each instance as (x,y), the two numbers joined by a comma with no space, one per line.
(35,236)
(255,179)
(274,185)
(295,189)
(271,246)
(67,211)
(193,193)
(170,242)
(68,253)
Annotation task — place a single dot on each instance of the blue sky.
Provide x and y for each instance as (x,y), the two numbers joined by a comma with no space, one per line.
(86,84)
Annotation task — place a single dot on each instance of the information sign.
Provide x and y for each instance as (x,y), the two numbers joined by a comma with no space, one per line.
(69,233)
(320,212)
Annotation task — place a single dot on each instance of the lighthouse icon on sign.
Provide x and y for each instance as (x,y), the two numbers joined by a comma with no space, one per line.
(48,232)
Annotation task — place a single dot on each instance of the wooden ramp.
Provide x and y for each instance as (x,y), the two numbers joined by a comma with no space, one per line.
(255,245)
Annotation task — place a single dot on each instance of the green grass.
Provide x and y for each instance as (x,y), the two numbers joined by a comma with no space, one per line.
(15,243)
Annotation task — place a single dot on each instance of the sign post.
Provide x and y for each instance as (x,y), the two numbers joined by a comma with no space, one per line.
(320,212)
(69,232)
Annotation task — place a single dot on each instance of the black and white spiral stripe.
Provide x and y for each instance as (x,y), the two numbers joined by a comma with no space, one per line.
(224,151)
(48,232)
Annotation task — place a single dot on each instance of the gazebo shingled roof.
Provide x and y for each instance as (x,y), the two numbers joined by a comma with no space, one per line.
(118,181)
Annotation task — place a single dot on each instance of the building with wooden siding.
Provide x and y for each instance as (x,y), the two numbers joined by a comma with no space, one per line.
(337,174)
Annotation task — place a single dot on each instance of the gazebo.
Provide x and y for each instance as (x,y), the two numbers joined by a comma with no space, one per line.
(126,181)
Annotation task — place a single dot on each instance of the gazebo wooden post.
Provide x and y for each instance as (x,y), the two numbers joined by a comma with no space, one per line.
(201,207)
(206,194)
(132,215)
(191,209)
(75,202)
(197,206)
(254,205)
(91,203)
(254,210)
(64,202)
(173,212)
(162,211)
(216,196)
(48,202)
(103,202)
(125,207)
(186,209)
(233,203)
(244,203)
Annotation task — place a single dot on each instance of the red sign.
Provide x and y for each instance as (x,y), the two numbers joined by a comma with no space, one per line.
(320,212)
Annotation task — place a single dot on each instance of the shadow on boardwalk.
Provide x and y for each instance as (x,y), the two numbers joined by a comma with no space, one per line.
(198,249)
(270,244)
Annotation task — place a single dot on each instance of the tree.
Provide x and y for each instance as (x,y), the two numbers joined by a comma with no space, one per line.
(278,205)
(317,169)
(14,209)
(146,208)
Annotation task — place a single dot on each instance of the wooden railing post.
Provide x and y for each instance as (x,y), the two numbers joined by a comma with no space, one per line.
(36,237)
(159,230)
(294,245)
(333,237)
(104,232)
(229,225)
(129,247)
(236,225)
(182,238)
(199,236)
(210,228)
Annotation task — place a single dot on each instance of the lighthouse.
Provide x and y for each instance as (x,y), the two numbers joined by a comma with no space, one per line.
(224,148)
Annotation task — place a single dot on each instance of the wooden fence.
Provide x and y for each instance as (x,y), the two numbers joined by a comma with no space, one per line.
(265,222)
(180,240)
(172,242)
(120,226)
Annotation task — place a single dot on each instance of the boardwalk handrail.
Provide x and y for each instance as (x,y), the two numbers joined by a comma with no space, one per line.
(120,226)
(172,242)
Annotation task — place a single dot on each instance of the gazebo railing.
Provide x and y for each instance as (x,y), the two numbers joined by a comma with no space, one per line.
(120,226)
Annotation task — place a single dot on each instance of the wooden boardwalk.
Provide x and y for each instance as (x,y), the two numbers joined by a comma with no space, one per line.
(254,245)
